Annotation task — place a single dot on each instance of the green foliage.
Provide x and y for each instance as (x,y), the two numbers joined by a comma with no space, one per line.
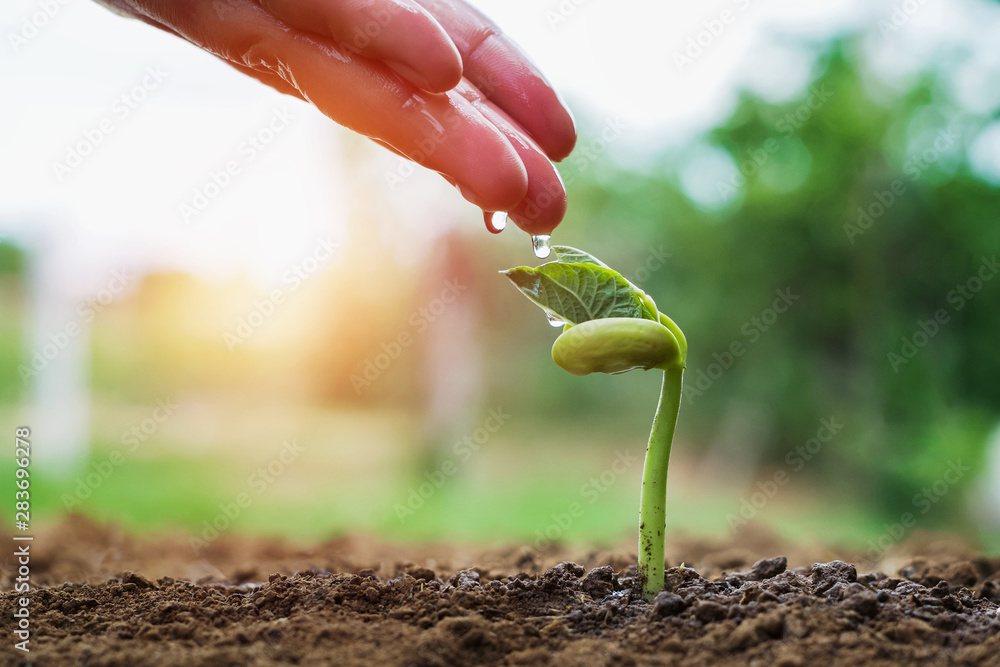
(568,255)
(573,292)
(867,217)
(13,268)
(12,259)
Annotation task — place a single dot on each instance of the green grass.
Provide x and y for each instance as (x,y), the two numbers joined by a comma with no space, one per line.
(507,506)
(529,483)
(144,496)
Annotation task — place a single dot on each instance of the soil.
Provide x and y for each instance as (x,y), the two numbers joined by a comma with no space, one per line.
(106,598)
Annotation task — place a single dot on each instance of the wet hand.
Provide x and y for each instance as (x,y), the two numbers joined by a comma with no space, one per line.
(433,80)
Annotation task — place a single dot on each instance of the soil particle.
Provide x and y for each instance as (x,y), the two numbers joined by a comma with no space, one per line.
(667,604)
(826,576)
(767,568)
(424,613)
(599,582)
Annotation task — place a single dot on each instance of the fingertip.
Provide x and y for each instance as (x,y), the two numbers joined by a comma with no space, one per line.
(543,208)
(418,48)
(551,124)
(435,72)
(560,140)
(487,169)
(504,73)
(543,205)
(499,192)
(538,226)
(443,69)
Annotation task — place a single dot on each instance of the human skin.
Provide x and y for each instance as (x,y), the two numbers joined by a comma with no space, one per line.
(432,80)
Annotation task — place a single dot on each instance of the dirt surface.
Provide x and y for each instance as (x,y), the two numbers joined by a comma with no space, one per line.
(104,598)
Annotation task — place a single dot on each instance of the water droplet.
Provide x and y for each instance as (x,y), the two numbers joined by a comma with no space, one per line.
(555,320)
(541,245)
(495,222)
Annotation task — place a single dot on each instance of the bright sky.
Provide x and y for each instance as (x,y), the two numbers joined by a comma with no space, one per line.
(185,117)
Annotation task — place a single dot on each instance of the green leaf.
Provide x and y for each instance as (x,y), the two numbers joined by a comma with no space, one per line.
(568,255)
(578,292)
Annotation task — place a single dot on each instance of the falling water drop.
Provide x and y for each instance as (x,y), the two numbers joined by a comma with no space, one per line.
(495,222)
(541,245)
(555,320)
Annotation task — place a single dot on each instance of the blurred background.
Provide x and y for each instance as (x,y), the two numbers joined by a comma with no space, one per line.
(220,311)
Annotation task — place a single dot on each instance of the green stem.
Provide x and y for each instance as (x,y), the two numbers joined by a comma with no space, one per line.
(653,501)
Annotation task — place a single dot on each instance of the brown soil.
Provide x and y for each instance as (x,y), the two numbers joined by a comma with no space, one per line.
(357,602)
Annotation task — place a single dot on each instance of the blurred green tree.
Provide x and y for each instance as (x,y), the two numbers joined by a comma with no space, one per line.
(13,269)
(862,221)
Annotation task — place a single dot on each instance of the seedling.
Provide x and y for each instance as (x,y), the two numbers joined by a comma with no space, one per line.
(612,326)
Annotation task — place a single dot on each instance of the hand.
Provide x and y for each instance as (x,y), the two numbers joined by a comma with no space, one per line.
(433,80)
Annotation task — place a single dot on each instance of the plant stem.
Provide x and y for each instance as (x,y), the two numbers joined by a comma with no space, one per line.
(653,500)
